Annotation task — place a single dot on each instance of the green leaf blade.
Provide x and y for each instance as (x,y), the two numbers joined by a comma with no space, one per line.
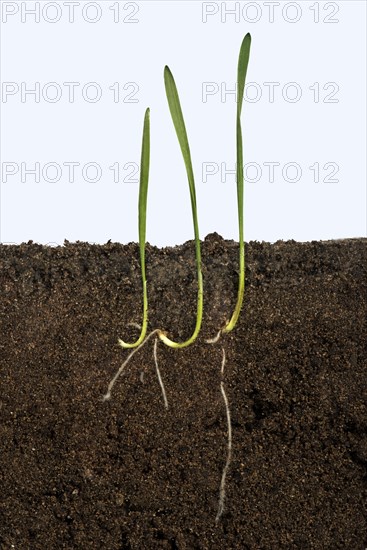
(144,179)
(243,60)
(179,124)
(142,208)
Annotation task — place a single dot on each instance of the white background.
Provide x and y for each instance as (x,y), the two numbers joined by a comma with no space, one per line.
(319,46)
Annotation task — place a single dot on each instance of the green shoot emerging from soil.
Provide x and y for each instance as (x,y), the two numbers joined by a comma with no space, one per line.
(241,79)
(179,124)
(143,194)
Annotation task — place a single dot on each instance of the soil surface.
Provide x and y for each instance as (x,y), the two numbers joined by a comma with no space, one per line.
(80,473)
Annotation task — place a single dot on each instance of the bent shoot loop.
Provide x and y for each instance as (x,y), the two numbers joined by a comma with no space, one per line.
(143,195)
(179,124)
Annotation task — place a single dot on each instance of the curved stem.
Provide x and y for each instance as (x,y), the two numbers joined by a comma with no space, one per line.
(178,121)
(143,194)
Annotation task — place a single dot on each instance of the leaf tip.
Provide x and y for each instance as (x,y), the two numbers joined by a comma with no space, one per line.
(167,72)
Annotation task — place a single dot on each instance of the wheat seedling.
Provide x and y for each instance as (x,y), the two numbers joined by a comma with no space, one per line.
(179,124)
(143,195)
(243,60)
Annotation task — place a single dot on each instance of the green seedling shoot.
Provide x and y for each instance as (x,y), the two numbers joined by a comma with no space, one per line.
(179,124)
(241,79)
(143,195)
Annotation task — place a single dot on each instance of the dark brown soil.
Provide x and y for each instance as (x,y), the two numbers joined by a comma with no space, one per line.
(76,472)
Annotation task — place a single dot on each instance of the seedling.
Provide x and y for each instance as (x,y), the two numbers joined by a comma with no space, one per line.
(241,79)
(143,195)
(178,121)
(243,60)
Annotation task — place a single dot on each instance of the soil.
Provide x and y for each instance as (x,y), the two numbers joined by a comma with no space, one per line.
(77,472)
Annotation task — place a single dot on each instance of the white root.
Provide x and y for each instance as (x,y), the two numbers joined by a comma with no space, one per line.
(133,324)
(159,374)
(222,489)
(107,396)
(215,339)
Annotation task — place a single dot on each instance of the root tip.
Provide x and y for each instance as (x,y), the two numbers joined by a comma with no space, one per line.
(215,339)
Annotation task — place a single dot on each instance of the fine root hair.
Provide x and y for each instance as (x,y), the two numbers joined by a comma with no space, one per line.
(159,374)
(107,395)
(222,488)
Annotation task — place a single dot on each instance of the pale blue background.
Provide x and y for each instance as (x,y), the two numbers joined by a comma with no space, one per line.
(172,32)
